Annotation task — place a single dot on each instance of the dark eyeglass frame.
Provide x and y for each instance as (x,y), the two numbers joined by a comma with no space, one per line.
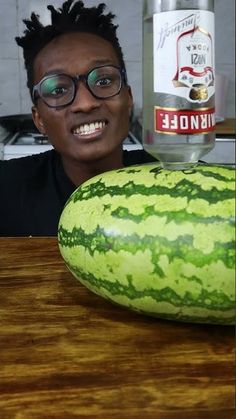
(76,79)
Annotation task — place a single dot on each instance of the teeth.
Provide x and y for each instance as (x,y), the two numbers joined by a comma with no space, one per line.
(86,129)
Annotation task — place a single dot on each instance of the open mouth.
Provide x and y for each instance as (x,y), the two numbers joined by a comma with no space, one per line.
(89,128)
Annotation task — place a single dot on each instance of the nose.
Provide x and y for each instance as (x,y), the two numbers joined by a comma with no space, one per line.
(84,101)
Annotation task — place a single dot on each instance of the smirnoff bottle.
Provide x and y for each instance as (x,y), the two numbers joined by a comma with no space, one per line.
(178,81)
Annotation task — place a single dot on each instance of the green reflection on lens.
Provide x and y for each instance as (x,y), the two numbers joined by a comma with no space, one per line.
(93,76)
(49,85)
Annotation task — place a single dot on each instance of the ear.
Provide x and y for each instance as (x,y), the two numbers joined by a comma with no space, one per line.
(38,120)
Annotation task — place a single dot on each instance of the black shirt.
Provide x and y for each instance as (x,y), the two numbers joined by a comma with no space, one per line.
(34,190)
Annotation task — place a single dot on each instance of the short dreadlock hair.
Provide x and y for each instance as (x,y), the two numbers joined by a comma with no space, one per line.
(71,17)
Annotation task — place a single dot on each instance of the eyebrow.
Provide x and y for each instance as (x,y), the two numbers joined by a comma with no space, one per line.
(94,64)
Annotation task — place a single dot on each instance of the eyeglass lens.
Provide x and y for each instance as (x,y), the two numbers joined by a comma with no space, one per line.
(59,90)
(104,81)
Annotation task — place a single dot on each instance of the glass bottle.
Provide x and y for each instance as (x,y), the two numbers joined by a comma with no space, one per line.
(178,81)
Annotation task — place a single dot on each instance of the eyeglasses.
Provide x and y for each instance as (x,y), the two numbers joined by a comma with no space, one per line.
(59,90)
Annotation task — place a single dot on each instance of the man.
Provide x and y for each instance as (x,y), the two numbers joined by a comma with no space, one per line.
(82,102)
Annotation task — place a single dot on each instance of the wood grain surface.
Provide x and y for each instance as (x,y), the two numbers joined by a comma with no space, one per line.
(67,353)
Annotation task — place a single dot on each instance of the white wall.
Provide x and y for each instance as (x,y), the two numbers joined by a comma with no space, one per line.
(14,96)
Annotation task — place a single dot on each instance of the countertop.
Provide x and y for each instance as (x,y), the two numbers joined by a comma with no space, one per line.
(67,353)
(226,127)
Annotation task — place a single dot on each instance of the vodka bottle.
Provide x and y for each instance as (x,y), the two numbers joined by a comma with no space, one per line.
(178,81)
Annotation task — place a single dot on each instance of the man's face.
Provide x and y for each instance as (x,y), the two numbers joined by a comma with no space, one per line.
(73,54)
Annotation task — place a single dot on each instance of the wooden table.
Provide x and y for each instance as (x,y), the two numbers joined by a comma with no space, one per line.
(67,353)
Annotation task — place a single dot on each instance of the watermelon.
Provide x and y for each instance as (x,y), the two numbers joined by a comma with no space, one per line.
(156,241)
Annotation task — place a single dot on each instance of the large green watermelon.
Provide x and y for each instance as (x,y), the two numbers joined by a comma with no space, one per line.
(157,241)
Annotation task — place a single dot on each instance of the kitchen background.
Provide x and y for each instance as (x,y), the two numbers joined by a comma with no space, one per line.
(14,96)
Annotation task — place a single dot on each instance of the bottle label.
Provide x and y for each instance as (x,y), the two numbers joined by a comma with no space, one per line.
(183,54)
(172,121)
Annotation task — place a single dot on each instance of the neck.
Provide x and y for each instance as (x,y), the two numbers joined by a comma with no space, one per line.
(79,172)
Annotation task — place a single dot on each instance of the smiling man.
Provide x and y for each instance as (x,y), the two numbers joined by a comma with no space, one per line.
(82,102)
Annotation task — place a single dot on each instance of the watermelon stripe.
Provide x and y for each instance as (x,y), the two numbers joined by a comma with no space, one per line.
(205,170)
(184,188)
(176,216)
(98,241)
(209,315)
(214,300)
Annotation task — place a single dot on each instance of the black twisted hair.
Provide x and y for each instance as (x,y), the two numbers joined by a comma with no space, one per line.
(73,16)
